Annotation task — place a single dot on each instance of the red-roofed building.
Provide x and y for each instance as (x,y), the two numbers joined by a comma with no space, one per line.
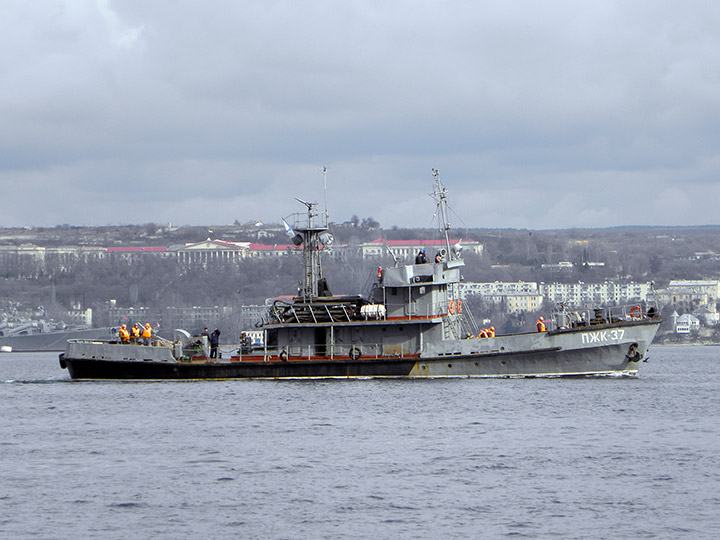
(210,252)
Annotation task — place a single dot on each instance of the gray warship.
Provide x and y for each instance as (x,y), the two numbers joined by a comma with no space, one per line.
(411,325)
(40,336)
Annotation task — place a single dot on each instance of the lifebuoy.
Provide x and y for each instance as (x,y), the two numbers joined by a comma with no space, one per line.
(459,306)
(451,307)
(354,353)
(636,312)
(283,356)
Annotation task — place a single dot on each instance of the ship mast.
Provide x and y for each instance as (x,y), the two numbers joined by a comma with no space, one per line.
(440,196)
(314,240)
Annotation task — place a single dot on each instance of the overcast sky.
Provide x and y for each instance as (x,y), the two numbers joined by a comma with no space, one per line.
(549,114)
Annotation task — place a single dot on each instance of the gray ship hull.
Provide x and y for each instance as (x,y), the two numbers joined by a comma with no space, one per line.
(51,341)
(610,350)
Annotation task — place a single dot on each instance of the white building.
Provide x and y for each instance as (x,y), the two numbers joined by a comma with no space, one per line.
(684,324)
(528,296)
(497,288)
(518,302)
(606,293)
(407,249)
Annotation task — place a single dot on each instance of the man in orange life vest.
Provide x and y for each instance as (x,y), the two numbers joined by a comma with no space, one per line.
(123,334)
(540,324)
(147,334)
(135,333)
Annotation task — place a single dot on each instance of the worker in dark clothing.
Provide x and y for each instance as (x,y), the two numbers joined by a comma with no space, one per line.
(214,340)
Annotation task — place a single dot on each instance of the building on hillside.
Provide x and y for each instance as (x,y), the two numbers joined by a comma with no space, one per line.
(529,295)
(194,319)
(210,252)
(251,314)
(682,298)
(260,251)
(517,302)
(685,324)
(711,287)
(133,252)
(132,315)
(707,314)
(29,260)
(79,317)
(466,289)
(561,266)
(407,249)
(606,293)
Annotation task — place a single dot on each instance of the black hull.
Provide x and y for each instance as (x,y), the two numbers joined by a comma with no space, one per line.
(601,361)
(110,369)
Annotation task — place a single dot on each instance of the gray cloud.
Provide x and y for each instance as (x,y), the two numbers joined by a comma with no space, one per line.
(559,114)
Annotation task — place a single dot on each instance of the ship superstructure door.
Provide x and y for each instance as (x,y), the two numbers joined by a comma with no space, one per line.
(321,341)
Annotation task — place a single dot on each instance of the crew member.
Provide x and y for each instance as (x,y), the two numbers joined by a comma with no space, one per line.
(135,333)
(491,332)
(540,324)
(147,334)
(124,334)
(483,333)
(214,341)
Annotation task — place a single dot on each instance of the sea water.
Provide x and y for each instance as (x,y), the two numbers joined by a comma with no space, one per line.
(599,458)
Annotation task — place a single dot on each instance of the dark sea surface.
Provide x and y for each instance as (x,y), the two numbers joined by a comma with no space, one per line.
(466,458)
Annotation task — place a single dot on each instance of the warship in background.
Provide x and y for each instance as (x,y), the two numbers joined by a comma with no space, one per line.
(412,324)
(31,335)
